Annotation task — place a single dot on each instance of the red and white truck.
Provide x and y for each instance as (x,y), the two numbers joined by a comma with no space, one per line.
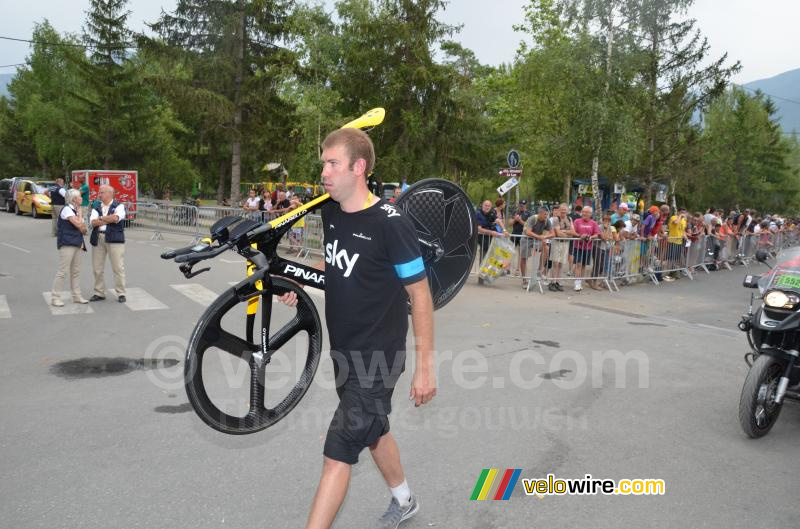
(125,184)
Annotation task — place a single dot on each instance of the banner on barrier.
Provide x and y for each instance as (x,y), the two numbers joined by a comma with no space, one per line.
(497,259)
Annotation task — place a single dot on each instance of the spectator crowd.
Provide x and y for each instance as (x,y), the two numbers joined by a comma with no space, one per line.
(553,244)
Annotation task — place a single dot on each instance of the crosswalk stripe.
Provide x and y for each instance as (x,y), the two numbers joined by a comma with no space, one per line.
(5,311)
(140,299)
(69,307)
(197,293)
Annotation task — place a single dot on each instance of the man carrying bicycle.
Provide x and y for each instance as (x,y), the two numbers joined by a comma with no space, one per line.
(373,267)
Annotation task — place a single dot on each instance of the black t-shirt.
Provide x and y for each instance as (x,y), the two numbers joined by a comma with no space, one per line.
(524,215)
(283,204)
(370,256)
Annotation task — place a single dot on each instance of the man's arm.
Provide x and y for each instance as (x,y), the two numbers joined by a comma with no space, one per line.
(423,383)
(290,298)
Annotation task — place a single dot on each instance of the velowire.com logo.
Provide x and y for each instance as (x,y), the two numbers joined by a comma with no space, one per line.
(495,484)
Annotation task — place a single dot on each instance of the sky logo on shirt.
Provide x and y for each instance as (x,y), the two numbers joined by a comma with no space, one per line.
(389,209)
(340,258)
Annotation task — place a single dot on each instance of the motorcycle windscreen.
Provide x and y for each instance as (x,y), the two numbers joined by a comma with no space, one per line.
(786,273)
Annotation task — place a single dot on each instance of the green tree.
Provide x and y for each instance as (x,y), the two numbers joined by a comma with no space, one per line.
(748,162)
(677,77)
(40,93)
(238,67)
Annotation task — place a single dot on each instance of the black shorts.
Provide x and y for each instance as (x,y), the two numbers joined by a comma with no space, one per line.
(353,428)
(581,256)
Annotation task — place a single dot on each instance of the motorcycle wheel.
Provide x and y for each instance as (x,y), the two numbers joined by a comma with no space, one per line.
(758,410)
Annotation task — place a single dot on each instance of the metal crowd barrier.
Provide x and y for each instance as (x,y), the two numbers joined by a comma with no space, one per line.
(619,263)
(312,237)
(165,218)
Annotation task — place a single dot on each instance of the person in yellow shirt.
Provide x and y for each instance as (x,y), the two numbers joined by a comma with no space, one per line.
(676,241)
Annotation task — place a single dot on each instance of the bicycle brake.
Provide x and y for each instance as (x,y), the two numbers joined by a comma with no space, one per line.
(187,270)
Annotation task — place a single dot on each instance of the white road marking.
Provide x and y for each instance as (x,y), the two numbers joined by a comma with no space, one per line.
(5,311)
(15,247)
(140,299)
(233,261)
(197,293)
(69,307)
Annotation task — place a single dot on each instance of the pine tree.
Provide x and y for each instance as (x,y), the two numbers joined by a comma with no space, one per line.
(237,67)
(113,106)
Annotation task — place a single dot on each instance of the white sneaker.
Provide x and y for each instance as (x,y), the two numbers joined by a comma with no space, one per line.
(56,302)
(578,285)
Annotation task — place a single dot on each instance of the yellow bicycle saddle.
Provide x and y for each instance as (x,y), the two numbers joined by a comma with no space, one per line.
(369,120)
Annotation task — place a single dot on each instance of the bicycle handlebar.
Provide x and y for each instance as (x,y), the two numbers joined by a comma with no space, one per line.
(202,255)
(172,254)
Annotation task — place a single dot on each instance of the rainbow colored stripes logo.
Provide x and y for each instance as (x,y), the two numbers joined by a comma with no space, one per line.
(491,486)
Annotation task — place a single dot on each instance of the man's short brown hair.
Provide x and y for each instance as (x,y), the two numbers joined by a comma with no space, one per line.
(357,144)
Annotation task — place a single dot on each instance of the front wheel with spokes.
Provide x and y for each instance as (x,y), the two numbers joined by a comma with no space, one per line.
(228,378)
(758,410)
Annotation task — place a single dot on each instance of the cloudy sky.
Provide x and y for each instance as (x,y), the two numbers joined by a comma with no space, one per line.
(762,34)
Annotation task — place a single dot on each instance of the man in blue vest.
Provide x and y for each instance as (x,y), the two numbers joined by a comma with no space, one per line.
(57,201)
(108,238)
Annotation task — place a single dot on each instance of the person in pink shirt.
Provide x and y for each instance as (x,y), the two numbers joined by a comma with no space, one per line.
(587,230)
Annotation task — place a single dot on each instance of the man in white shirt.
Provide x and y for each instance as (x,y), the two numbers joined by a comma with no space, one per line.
(108,238)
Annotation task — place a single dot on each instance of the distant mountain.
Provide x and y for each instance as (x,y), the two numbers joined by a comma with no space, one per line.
(784,86)
(5,78)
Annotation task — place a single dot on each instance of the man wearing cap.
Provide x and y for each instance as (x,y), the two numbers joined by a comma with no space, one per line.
(621,214)
(518,220)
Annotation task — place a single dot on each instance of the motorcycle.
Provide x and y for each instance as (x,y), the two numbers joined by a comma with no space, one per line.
(773,332)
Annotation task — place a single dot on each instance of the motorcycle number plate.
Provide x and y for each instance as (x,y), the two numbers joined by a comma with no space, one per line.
(788,280)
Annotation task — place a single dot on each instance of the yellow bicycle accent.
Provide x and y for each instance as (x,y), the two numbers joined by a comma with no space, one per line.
(370,119)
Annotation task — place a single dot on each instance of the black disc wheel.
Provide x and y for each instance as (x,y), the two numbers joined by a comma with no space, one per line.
(445,222)
(758,410)
(232,385)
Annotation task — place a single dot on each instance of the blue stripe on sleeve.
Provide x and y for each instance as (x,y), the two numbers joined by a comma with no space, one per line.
(410,268)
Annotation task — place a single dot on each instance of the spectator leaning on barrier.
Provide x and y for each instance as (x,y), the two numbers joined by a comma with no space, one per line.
(675,243)
(488,225)
(632,231)
(650,222)
(559,249)
(537,231)
(587,230)
(108,239)
(265,204)
(282,205)
(499,205)
(622,213)
(518,220)
(296,235)
(70,244)
(251,204)
(602,251)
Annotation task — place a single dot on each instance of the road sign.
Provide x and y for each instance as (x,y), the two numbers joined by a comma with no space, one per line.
(513,159)
(507,186)
(510,172)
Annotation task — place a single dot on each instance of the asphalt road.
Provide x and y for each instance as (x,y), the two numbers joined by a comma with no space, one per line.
(526,381)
